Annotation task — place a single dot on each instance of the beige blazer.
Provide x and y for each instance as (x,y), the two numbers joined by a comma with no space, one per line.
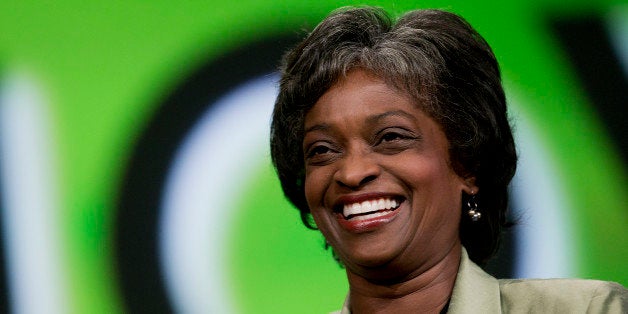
(475,291)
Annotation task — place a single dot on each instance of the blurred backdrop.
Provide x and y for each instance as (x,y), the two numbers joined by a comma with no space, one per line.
(135,174)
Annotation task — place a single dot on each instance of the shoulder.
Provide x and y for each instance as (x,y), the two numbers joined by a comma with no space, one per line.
(563,295)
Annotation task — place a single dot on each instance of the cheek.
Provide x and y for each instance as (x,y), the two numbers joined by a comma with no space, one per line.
(311,192)
(436,188)
(323,223)
(422,173)
(315,186)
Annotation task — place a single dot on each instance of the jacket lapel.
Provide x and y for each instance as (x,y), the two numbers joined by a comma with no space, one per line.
(475,291)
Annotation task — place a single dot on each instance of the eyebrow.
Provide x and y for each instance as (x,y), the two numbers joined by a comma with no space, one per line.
(371,119)
(399,113)
(317,127)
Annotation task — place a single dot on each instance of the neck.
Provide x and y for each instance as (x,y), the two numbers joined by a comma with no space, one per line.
(426,291)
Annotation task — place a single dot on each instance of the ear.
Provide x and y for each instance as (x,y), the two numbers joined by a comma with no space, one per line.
(469,186)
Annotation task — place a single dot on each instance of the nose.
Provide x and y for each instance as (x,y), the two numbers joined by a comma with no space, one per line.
(356,170)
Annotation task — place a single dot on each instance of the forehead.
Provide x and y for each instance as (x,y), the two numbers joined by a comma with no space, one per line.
(359,93)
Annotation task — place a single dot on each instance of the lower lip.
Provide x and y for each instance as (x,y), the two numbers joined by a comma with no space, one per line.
(365,225)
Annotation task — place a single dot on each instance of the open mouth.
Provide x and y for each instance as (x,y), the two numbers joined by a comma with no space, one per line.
(370,209)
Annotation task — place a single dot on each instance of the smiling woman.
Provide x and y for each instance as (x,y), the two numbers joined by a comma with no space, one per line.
(366,144)
(393,139)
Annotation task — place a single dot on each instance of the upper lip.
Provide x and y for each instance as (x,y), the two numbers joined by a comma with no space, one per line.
(341,201)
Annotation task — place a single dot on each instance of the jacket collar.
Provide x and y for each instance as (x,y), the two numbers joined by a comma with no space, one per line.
(475,291)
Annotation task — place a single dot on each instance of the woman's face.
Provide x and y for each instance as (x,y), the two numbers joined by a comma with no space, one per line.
(378,179)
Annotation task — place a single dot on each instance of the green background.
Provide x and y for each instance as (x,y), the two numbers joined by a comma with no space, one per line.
(107,65)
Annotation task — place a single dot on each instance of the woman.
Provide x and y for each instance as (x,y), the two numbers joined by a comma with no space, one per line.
(393,140)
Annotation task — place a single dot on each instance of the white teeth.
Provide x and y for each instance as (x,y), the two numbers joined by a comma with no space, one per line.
(370,216)
(355,207)
(381,203)
(369,206)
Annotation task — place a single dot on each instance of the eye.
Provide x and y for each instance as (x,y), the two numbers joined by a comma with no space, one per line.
(391,136)
(318,150)
(395,140)
(320,153)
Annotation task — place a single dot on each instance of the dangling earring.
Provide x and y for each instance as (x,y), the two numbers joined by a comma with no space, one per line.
(474,212)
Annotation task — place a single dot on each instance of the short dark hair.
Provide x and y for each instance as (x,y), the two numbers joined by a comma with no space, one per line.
(443,64)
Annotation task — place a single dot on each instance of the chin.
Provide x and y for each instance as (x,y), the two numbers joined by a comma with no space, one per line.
(372,258)
(380,271)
